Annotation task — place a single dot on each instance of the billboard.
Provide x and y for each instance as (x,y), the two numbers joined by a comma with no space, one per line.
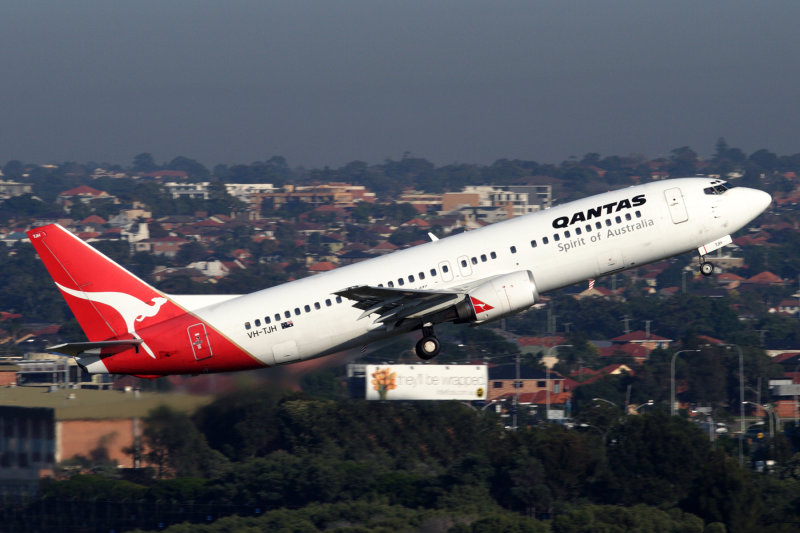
(426,382)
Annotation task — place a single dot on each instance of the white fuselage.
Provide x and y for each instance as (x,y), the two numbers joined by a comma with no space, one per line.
(576,241)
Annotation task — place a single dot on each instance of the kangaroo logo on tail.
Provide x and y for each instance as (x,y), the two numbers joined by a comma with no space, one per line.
(131,309)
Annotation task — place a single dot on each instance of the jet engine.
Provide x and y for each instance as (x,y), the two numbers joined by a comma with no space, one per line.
(498,297)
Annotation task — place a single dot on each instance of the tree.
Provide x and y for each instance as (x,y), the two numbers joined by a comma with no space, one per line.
(173,445)
(143,163)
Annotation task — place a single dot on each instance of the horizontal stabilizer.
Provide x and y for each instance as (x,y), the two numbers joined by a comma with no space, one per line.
(74,349)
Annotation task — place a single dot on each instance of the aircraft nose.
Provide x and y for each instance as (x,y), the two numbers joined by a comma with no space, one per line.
(761,200)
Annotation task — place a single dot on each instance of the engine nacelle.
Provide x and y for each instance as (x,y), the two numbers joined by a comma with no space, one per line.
(498,297)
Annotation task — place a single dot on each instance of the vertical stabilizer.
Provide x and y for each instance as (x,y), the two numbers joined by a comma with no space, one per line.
(108,301)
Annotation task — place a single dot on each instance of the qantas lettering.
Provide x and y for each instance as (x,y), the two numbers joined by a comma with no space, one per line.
(597,212)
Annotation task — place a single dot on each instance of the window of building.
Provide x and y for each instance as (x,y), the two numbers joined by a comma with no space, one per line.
(541,384)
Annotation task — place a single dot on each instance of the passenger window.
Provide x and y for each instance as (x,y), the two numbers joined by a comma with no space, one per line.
(287,314)
(608,222)
(422,275)
(267,320)
(297,311)
(513,249)
(277,317)
(494,255)
(316,305)
(464,263)
(474,260)
(400,282)
(627,216)
(638,214)
(258,322)
(598,225)
(327,303)
(578,231)
(533,243)
(556,237)
(411,278)
(445,269)
(391,284)
(247,325)
(307,308)
(618,219)
(545,240)
(483,258)
(567,234)
(588,227)
(338,299)
(433,272)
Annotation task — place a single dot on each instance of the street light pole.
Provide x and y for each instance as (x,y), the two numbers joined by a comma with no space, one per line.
(672,381)
(741,402)
(547,381)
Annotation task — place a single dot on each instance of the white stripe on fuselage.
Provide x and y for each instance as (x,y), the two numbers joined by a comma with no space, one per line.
(645,238)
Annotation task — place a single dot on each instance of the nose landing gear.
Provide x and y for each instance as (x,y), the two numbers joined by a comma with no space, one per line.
(706,267)
(428,346)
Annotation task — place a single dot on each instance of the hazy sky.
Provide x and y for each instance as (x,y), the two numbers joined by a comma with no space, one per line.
(326,82)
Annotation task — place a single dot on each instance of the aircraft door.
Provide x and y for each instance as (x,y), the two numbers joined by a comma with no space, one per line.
(285,352)
(198,339)
(464,266)
(446,271)
(677,207)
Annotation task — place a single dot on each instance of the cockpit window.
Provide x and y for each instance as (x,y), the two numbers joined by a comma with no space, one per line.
(717,188)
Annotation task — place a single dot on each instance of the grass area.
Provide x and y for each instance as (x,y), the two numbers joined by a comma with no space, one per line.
(74,404)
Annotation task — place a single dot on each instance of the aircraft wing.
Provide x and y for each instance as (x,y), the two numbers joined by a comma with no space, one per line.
(396,303)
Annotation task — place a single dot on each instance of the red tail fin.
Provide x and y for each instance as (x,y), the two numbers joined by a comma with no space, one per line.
(108,301)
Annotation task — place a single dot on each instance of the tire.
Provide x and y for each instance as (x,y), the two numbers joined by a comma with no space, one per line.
(427,348)
(707,268)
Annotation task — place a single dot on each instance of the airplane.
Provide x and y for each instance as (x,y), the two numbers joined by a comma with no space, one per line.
(473,277)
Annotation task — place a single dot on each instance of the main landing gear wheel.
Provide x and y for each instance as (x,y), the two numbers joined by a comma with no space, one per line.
(706,268)
(428,346)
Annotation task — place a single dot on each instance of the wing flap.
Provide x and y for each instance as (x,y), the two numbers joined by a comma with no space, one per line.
(397,304)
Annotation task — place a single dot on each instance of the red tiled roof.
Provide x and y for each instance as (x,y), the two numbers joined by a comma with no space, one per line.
(82,191)
(322,266)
